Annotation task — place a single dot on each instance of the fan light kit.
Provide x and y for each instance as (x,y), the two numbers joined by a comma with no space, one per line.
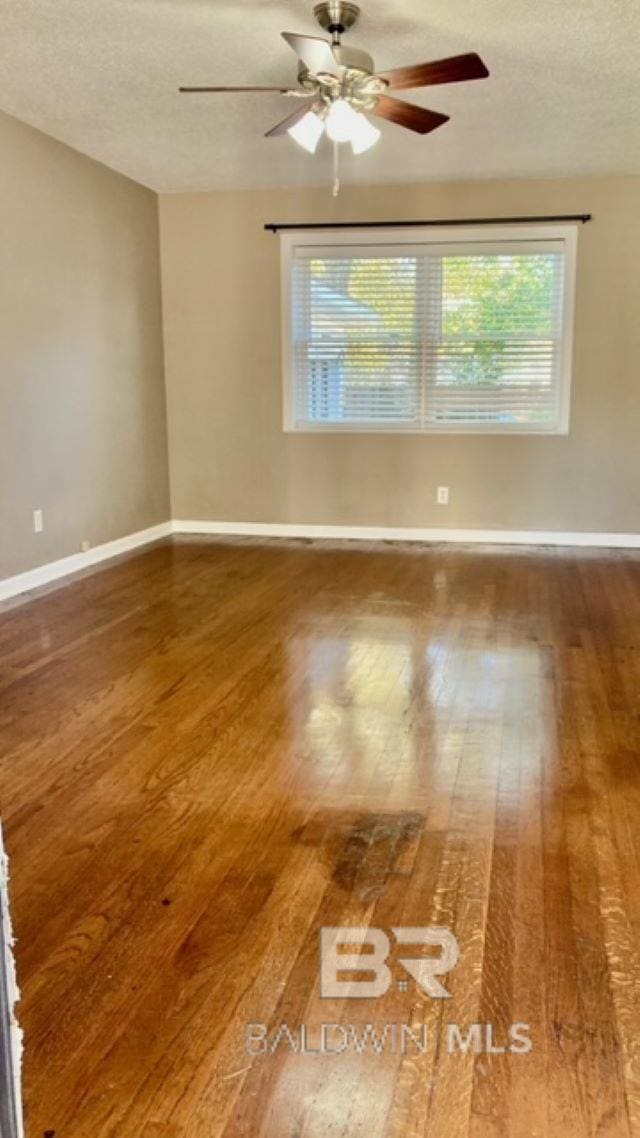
(341,123)
(339,87)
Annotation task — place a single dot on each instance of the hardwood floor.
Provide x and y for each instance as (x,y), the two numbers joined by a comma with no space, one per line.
(212,750)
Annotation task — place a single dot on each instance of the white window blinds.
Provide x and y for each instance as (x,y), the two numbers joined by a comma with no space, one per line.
(457,336)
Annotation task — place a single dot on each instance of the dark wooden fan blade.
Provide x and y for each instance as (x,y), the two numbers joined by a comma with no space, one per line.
(192,90)
(291,120)
(408,114)
(454,70)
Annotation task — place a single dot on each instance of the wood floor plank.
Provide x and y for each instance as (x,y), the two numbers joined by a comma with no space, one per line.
(212,749)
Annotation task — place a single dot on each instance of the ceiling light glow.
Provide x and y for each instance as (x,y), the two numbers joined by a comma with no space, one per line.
(342,121)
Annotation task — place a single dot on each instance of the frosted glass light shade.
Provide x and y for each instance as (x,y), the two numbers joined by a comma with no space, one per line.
(308,132)
(342,121)
(364,135)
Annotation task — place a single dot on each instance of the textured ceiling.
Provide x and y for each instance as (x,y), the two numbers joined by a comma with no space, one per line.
(102,75)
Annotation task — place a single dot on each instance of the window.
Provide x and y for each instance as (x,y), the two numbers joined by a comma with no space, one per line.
(432,330)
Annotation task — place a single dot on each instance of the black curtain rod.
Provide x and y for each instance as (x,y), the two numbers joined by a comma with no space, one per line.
(278,226)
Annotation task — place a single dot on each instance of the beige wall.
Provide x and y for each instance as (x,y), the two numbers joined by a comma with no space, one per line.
(82,407)
(229,458)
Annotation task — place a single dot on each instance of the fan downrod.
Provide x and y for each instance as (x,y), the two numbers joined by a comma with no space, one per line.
(336,16)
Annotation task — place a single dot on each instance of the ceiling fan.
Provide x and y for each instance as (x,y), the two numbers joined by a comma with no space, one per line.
(338,84)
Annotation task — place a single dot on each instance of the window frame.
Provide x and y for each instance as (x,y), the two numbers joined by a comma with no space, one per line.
(402,239)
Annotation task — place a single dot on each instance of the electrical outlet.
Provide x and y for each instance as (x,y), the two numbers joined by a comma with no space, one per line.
(442,497)
(38,521)
(85,546)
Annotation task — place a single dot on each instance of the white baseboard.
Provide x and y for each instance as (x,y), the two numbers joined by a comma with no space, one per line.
(411,533)
(53,570)
(44,574)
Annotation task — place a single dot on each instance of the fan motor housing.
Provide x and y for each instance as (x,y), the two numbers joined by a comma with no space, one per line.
(336,16)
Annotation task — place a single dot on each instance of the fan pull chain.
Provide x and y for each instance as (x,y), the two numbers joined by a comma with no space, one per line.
(336,169)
